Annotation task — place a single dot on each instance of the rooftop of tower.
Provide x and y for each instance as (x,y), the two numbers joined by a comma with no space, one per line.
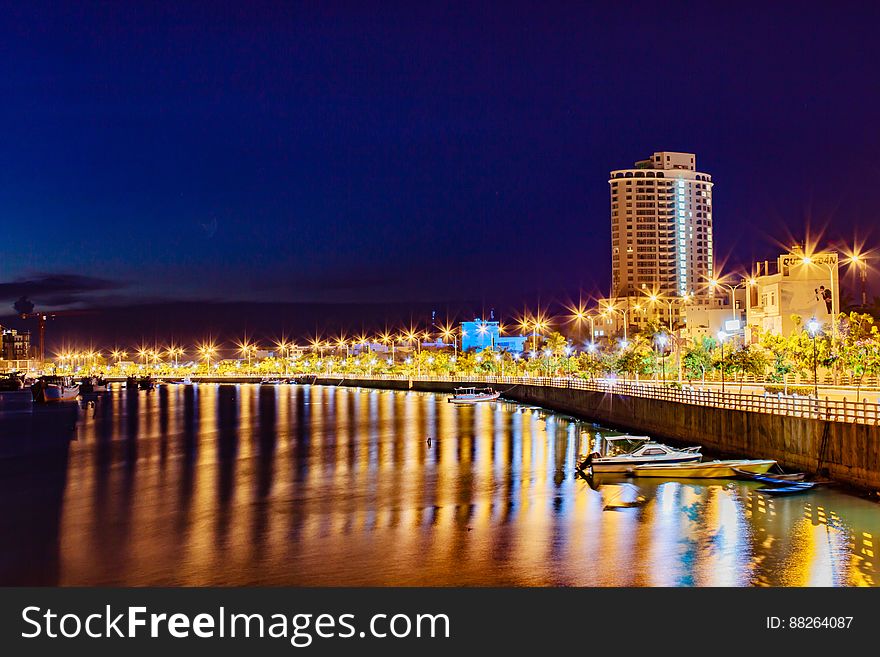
(669,160)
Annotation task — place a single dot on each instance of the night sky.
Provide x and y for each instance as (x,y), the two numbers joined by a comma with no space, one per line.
(432,156)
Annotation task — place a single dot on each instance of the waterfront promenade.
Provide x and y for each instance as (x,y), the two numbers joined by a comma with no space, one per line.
(836,404)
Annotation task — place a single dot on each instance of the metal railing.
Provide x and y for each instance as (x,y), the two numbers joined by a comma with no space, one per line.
(833,410)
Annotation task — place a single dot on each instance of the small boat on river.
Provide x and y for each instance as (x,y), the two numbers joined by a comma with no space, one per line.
(11,381)
(134,383)
(473,395)
(648,453)
(792,488)
(704,470)
(93,385)
(768,478)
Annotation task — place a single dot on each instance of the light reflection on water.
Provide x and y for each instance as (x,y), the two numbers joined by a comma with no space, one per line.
(302,485)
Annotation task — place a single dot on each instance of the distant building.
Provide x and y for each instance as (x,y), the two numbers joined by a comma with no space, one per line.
(15,345)
(707,317)
(661,227)
(640,312)
(797,284)
(15,350)
(481,334)
(515,344)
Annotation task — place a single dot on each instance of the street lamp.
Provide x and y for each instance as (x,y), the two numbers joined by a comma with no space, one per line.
(722,336)
(809,260)
(284,349)
(387,339)
(662,339)
(578,315)
(541,323)
(813,327)
(622,311)
(654,299)
(500,359)
(717,283)
(207,350)
(861,261)
(448,334)
(174,353)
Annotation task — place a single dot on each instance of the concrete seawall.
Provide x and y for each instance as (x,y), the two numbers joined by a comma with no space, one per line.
(846,452)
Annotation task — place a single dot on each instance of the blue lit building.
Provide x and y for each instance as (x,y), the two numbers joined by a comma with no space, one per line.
(480,334)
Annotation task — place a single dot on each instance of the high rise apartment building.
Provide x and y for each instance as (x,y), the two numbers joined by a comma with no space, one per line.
(661,227)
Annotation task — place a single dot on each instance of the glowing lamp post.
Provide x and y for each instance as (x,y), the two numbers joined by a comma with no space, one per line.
(207,351)
(662,339)
(861,261)
(623,312)
(654,299)
(813,328)
(722,336)
(714,283)
(809,260)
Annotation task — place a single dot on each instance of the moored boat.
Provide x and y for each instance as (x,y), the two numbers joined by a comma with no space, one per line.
(267,381)
(792,488)
(768,478)
(49,389)
(704,470)
(92,385)
(11,381)
(649,453)
(134,383)
(471,395)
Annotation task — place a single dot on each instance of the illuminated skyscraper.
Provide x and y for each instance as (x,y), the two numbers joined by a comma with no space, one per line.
(661,227)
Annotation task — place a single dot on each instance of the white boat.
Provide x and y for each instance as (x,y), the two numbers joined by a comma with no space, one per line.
(648,453)
(705,470)
(473,395)
(266,381)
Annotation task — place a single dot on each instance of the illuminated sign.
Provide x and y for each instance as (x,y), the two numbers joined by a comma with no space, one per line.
(815,259)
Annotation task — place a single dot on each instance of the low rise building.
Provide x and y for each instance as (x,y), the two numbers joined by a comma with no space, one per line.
(15,350)
(482,334)
(798,285)
(15,345)
(709,316)
(639,312)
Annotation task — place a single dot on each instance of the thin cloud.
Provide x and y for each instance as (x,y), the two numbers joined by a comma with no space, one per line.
(57,289)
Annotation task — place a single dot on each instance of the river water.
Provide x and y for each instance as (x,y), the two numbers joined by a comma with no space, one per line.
(313,485)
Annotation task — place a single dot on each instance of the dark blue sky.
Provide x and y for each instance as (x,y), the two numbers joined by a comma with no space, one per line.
(338,152)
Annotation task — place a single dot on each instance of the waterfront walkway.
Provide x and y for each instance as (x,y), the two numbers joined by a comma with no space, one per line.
(834,404)
(834,409)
